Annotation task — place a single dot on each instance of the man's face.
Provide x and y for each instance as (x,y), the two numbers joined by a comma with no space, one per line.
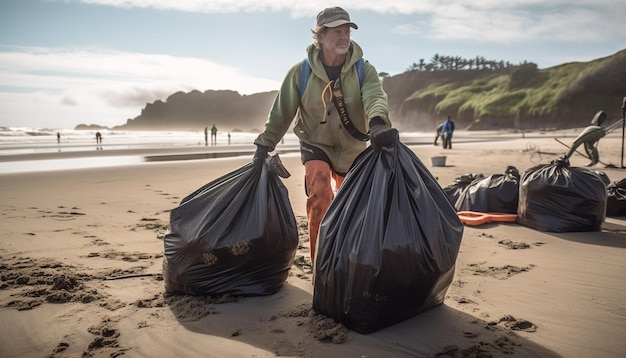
(336,40)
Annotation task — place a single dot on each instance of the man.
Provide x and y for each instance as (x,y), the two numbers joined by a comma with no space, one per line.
(213,135)
(446,133)
(590,137)
(330,140)
(438,132)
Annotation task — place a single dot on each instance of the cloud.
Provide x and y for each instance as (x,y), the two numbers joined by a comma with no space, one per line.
(119,78)
(406,29)
(133,97)
(106,81)
(481,20)
(380,6)
(515,21)
(219,6)
(68,101)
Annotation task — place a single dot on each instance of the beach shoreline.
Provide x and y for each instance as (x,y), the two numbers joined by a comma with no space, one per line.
(560,296)
(26,156)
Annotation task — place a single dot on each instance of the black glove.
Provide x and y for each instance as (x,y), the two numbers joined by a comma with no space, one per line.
(383,136)
(259,156)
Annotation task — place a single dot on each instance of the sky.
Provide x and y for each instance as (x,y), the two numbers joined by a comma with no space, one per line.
(70,62)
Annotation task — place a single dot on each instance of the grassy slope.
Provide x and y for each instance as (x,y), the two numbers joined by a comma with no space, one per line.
(514,97)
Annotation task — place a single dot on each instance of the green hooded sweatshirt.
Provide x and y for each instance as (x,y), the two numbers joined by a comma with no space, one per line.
(362,103)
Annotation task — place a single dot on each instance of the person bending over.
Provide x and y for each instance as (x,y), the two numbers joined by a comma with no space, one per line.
(589,137)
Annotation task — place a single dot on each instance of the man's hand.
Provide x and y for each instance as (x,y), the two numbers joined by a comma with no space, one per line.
(259,156)
(383,136)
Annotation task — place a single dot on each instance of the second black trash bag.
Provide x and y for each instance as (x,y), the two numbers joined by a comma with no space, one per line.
(388,243)
(235,235)
(558,198)
(496,193)
(454,190)
(616,201)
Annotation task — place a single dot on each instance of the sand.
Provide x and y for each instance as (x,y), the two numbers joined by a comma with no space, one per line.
(81,260)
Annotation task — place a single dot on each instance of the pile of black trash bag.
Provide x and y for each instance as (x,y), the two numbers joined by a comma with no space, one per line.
(235,235)
(554,197)
(388,243)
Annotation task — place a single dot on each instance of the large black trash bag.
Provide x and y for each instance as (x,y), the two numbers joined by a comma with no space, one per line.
(235,235)
(454,190)
(616,201)
(603,176)
(388,243)
(496,193)
(558,198)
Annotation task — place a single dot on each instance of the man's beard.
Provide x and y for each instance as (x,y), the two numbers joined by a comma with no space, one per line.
(340,50)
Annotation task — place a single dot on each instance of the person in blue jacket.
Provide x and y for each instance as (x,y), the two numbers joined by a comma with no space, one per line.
(446,133)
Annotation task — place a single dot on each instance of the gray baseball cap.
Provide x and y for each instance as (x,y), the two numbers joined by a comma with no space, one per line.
(333,17)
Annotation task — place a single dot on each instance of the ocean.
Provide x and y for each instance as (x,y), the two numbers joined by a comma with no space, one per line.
(24,149)
(20,140)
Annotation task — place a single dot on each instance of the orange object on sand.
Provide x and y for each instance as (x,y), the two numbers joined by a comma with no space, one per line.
(475,218)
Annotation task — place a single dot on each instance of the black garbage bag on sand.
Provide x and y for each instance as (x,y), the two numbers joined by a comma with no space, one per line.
(235,235)
(388,243)
(605,178)
(454,190)
(558,198)
(496,193)
(616,201)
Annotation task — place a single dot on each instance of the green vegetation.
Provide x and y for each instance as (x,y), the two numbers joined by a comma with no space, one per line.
(506,96)
(457,63)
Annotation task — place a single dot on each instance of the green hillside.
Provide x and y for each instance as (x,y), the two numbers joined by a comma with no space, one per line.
(520,97)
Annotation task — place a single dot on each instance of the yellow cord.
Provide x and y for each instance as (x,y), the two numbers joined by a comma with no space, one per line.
(329,89)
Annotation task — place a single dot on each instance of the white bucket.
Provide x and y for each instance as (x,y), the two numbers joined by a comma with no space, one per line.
(438,161)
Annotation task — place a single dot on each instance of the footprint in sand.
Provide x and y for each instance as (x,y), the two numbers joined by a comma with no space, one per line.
(107,336)
(513,245)
(151,224)
(499,272)
(516,324)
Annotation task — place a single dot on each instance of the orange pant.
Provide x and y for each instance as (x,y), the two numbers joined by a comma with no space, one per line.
(317,175)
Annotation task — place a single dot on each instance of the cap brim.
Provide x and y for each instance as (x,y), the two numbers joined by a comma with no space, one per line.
(341,22)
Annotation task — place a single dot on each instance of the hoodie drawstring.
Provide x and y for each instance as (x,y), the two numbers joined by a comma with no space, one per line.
(329,89)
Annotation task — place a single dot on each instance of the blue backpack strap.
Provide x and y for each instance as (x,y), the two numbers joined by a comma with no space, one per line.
(360,70)
(305,72)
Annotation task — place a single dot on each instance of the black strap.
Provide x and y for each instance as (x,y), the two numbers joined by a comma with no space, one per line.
(343,113)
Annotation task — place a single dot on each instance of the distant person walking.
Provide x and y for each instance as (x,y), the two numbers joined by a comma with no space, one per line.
(446,133)
(58,137)
(213,135)
(438,132)
(206,136)
(98,138)
(228,138)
